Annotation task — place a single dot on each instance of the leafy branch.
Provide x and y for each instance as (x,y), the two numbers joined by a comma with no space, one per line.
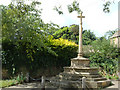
(74,7)
(58,9)
(106,8)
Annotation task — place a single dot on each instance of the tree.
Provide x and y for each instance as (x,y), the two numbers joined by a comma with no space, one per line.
(88,37)
(74,6)
(23,34)
(23,23)
(110,33)
(51,28)
(72,33)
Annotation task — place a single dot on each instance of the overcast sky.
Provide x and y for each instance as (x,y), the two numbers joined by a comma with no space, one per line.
(95,19)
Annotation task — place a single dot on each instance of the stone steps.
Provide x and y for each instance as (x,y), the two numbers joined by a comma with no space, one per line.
(73,81)
(72,76)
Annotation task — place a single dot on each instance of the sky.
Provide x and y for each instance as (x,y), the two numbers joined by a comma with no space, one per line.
(95,19)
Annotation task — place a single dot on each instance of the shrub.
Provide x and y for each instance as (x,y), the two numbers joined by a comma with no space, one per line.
(14,58)
(105,56)
(65,50)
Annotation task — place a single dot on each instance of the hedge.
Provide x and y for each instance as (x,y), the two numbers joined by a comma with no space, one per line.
(15,57)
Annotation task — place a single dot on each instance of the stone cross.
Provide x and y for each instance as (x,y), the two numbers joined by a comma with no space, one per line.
(80,52)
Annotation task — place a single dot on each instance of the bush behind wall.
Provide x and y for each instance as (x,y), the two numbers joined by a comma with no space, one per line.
(15,57)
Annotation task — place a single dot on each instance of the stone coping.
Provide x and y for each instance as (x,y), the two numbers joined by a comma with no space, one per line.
(82,58)
(88,75)
(87,68)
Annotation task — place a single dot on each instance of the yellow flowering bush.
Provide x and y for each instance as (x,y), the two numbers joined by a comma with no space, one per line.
(64,49)
(63,42)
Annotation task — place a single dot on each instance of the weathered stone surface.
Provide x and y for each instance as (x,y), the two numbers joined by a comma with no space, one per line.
(80,62)
(98,84)
(80,70)
(72,76)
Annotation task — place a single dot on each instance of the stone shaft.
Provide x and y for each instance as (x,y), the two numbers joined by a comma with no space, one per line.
(80,53)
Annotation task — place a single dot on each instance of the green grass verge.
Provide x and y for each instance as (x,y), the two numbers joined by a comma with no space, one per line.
(7,83)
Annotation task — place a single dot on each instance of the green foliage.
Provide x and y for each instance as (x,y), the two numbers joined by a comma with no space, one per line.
(88,37)
(25,37)
(63,32)
(14,58)
(65,50)
(7,83)
(22,24)
(58,9)
(114,77)
(74,7)
(17,80)
(50,28)
(20,78)
(110,33)
(72,33)
(106,7)
(105,56)
(22,31)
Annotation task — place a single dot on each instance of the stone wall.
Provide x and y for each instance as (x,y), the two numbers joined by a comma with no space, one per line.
(115,41)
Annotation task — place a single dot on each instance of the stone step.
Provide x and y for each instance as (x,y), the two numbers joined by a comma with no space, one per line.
(103,83)
(67,84)
(65,79)
(59,84)
(96,79)
(82,69)
(98,84)
(88,75)
(69,75)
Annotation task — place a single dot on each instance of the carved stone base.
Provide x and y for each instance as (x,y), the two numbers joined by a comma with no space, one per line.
(80,62)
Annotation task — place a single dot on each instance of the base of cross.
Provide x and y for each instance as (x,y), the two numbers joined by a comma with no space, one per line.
(72,76)
(80,55)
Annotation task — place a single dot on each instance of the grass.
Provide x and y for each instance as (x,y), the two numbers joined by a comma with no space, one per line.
(7,83)
(14,81)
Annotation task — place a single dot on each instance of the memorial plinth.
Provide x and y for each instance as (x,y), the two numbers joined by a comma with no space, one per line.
(80,62)
(71,77)
(80,67)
